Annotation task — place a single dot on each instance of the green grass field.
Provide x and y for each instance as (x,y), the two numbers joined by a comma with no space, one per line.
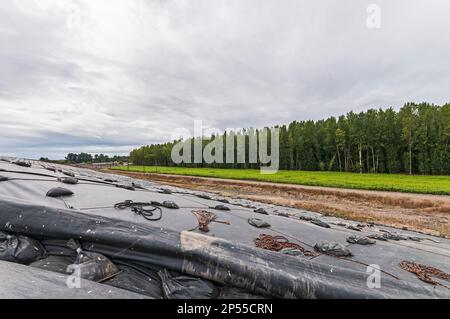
(385,182)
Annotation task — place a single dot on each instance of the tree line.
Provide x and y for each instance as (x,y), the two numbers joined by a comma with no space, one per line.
(96,158)
(413,140)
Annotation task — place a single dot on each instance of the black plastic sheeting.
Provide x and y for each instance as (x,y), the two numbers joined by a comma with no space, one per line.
(223,262)
(186,287)
(20,249)
(143,248)
(19,281)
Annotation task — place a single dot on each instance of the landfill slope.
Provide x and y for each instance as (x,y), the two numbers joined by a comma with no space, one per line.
(225,255)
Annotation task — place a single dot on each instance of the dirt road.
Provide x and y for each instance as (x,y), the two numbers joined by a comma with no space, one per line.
(425,213)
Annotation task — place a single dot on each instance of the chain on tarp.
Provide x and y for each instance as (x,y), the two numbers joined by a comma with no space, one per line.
(425,273)
(204,218)
(277,243)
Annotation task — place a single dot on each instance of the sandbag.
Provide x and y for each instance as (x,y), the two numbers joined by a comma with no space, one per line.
(58,192)
(170,204)
(166,204)
(320,223)
(333,249)
(109,180)
(261,211)
(203,196)
(68,173)
(259,223)
(186,287)
(135,279)
(292,251)
(93,266)
(20,249)
(60,247)
(128,187)
(378,237)
(23,164)
(353,228)
(360,240)
(387,236)
(68,180)
(395,237)
(221,207)
(136,185)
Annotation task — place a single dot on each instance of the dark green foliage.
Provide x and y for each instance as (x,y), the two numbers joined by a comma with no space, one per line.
(414,140)
(97,158)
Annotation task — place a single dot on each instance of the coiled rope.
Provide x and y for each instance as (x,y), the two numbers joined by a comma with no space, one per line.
(139,208)
(425,273)
(277,243)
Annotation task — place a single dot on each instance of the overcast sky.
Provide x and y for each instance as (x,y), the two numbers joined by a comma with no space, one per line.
(108,75)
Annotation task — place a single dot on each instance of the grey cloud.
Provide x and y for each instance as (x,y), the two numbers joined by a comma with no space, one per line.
(109,75)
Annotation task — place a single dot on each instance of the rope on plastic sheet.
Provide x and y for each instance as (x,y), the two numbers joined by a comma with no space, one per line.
(204,218)
(425,273)
(140,209)
(26,173)
(277,243)
(56,177)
